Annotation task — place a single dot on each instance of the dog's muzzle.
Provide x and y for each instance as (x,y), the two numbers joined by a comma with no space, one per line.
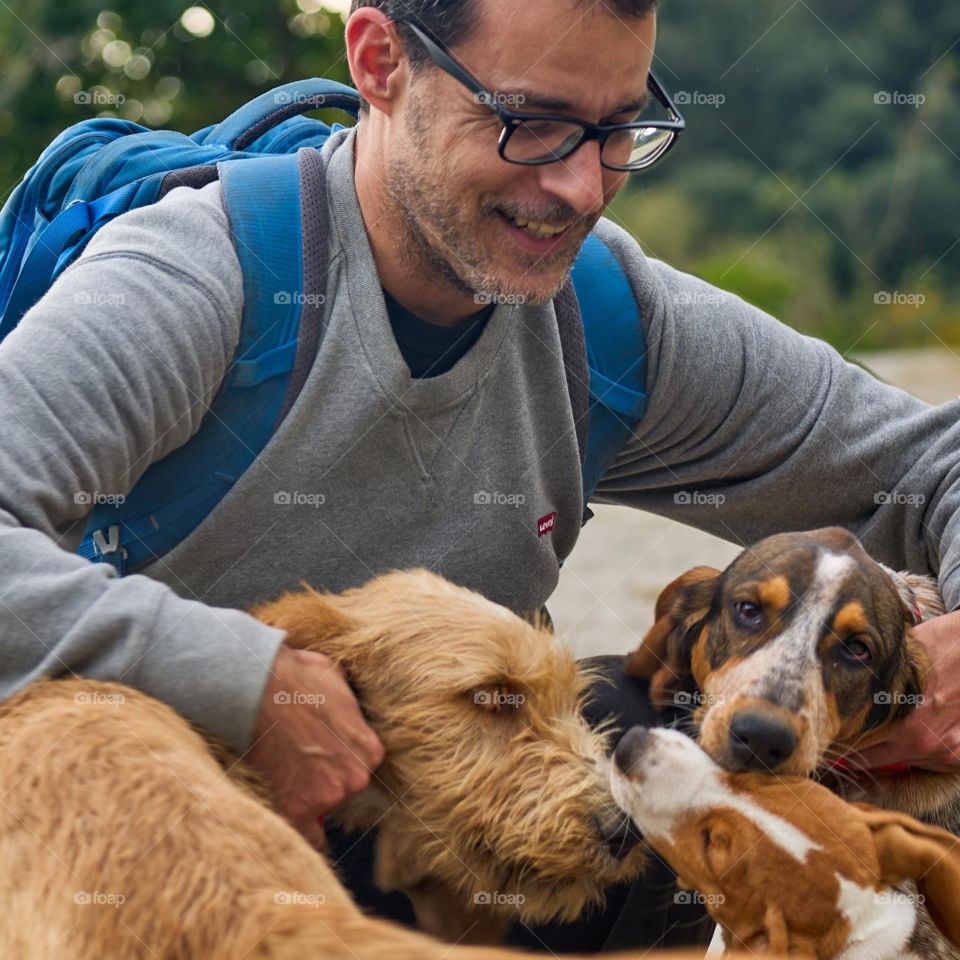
(620,836)
(758,742)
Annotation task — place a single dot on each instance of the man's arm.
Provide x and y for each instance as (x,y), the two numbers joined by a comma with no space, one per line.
(752,429)
(113,369)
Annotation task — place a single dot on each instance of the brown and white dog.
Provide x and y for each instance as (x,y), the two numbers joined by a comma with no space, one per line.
(782,863)
(795,656)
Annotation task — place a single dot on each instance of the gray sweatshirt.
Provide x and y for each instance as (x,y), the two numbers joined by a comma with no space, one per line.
(751,429)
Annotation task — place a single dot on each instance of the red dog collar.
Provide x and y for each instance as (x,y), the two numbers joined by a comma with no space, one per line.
(842,763)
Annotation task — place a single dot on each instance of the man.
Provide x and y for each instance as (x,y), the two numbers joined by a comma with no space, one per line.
(417,399)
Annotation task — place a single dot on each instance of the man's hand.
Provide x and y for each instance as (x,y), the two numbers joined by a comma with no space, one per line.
(311,741)
(929,737)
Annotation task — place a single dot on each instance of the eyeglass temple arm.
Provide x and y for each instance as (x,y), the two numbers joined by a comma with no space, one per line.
(443,59)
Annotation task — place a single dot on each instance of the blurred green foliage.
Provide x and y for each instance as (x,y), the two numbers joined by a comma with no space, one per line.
(820,170)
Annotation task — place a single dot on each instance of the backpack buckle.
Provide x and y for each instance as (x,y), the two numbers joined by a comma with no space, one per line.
(108,549)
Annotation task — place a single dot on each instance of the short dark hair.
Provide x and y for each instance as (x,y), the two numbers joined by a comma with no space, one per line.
(451,21)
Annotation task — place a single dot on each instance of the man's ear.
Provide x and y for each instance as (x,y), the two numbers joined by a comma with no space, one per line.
(378,65)
(664,656)
(911,850)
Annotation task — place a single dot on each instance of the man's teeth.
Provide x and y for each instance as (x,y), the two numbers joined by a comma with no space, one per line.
(541,231)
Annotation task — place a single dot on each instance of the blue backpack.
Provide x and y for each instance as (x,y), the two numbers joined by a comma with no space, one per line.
(101,168)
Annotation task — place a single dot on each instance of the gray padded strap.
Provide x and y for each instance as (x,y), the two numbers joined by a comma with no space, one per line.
(570,327)
(194,177)
(316,256)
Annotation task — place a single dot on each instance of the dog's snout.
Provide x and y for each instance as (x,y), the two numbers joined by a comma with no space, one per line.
(760,742)
(620,835)
(631,747)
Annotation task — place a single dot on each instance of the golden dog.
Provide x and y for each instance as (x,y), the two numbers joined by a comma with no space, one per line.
(121,835)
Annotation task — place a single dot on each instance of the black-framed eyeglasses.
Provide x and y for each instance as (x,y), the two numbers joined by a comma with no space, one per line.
(531,139)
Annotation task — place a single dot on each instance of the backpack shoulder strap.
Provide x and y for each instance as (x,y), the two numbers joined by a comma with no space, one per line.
(616,349)
(263,200)
(570,328)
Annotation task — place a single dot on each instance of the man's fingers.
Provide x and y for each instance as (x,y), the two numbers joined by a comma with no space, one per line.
(358,779)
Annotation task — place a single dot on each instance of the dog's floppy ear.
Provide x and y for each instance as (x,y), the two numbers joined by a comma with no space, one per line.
(909,679)
(911,850)
(920,594)
(312,620)
(664,655)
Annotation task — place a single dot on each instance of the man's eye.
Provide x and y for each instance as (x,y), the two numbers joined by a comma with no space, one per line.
(747,614)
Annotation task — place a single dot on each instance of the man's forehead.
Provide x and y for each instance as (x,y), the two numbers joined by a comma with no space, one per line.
(562,55)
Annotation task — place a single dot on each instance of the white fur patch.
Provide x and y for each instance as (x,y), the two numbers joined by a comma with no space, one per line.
(881,922)
(831,567)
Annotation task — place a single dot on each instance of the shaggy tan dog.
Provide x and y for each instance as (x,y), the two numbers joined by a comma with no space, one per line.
(122,836)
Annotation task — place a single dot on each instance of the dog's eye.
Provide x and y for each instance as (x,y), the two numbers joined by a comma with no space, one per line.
(855,650)
(747,614)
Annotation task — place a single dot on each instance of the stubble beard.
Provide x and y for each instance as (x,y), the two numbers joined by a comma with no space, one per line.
(441,240)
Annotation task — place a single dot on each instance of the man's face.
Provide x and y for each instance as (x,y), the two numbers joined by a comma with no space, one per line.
(460,201)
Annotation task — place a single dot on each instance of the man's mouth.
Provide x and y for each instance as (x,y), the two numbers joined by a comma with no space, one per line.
(536,236)
(539,231)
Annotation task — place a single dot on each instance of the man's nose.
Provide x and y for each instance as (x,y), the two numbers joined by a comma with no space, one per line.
(579,180)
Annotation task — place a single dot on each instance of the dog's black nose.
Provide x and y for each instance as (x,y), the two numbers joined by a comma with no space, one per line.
(630,747)
(759,742)
(620,836)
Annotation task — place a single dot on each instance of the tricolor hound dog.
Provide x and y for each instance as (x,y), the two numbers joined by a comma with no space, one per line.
(797,655)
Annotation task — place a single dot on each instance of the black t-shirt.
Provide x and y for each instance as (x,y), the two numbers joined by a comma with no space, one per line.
(428,349)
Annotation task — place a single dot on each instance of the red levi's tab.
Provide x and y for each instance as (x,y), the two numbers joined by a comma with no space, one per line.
(546,524)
